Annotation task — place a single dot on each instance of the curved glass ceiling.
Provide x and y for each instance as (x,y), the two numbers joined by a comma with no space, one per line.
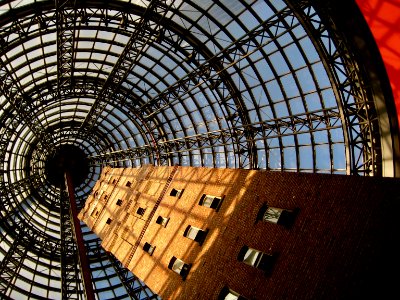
(239,84)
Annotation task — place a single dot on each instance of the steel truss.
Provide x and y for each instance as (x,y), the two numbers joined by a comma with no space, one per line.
(133,286)
(14,219)
(126,61)
(359,117)
(363,147)
(25,107)
(264,130)
(66,16)
(354,108)
(241,134)
(12,262)
(213,72)
(25,239)
(70,272)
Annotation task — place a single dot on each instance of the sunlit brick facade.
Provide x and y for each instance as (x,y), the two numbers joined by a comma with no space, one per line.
(202,233)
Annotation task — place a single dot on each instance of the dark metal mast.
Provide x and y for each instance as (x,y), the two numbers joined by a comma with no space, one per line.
(84,263)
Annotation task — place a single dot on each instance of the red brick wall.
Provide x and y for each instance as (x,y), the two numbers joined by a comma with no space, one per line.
(340,246)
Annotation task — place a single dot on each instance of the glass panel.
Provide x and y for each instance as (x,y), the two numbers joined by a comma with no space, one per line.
(192,232)
(272,214)
(208,200)
(252,257)
(231,296)
(178,266)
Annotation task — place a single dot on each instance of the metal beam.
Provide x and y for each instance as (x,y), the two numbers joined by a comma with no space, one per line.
(77,231)
(25,107)
(70,275)
(12,262)
(126,61)
(214,72)
(65,22)
(274,128)
(134,287)
(359,116)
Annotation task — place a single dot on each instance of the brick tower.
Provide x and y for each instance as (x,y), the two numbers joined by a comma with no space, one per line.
(204,233)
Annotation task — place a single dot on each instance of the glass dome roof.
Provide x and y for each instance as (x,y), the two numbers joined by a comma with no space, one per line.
(269,85)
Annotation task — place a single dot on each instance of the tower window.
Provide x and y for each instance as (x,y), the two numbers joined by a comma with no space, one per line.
(280,216)
(119,202)
(228,294)
(210,201)
(179,267)
(140,211)
(162,221)
(114,181)
(128,184)
(176,193)
(195,234)
(148,248)
(256,258)
(108,221)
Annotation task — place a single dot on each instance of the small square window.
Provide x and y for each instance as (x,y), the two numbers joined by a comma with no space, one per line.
(257,259)
(119,202)
(228,294)
(179,267)
(141,211)
(211,201)
(280,216)
(128,184)
(162,221)
(195,234)
(148,248)
(108,221)
(176,193)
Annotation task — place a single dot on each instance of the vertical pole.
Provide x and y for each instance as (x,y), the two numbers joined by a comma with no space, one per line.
(87,281)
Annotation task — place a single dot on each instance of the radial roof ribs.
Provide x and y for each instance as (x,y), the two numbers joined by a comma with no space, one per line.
(25,107)
(66,18)
(292,86)
(127,59)
(358,117)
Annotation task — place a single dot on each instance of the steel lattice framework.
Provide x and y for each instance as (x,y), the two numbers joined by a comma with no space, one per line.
(271,85)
